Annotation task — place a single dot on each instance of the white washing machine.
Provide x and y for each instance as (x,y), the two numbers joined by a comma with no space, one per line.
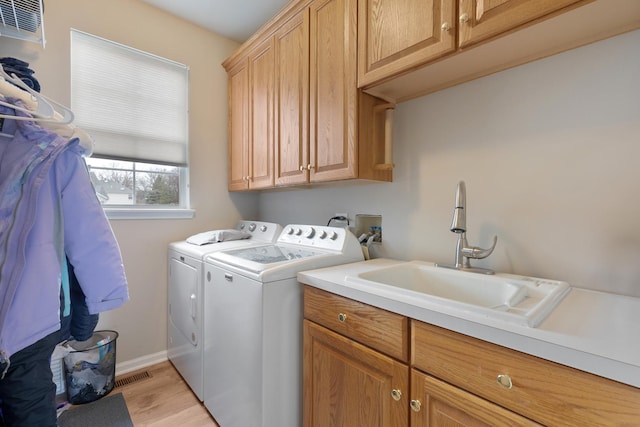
(253,324)
(185,297)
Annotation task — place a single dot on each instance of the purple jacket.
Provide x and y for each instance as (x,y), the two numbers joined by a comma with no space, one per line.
(48,207)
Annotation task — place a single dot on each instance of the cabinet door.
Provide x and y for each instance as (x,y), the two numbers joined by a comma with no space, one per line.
(395,36)
(292,100)
(482,19)
(435,403)
(333,91)
(349,385)
(238,127)
(261,68)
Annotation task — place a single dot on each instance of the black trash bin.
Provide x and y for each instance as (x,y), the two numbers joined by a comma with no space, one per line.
(90,368)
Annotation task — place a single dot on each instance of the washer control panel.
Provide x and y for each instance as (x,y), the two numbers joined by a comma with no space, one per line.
(318,236)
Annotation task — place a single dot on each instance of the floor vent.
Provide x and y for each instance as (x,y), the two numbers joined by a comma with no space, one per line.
(121,382)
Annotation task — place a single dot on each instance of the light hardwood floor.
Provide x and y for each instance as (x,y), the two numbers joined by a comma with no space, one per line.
(163,400)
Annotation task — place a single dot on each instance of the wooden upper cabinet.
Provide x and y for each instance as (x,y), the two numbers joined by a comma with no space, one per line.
(292,100)
(261,89)
(295,109)
(333,94)
(238,161)
(251,132)
(395,36)
(483,19)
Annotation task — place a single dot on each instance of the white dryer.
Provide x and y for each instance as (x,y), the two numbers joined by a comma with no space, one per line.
(186,298)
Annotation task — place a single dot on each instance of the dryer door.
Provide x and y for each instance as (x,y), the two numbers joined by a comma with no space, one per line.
(183,299)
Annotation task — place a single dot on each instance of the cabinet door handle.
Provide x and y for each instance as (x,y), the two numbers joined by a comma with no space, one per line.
(505,381)
(310,166)
(342,317)
(396,394)
(464,18)
(302,168)
(445,27)
(415,405)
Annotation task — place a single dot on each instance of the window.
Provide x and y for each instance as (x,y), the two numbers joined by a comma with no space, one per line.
(135,107)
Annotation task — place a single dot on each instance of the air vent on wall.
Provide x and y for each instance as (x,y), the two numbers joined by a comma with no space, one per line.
(22,19)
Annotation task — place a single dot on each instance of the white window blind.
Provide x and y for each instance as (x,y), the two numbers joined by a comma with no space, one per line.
(133,104)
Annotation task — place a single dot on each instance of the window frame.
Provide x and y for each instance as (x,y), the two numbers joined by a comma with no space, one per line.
(144,211)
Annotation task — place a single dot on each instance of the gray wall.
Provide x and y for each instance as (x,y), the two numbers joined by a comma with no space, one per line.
(550,153)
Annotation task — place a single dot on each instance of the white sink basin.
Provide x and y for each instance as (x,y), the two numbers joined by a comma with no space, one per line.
(522,300)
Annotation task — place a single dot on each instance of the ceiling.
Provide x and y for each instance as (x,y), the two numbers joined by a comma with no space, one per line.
(235,19)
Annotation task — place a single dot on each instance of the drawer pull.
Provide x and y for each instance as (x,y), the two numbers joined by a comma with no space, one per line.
(342,317)
(415,405)
(396,394)
(505,381)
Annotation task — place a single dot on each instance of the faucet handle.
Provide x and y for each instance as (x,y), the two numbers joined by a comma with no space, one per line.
(476,252)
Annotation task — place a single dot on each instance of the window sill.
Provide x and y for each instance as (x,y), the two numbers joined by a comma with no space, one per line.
(141,213)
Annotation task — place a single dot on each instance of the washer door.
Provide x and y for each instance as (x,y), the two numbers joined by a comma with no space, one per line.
(233,367)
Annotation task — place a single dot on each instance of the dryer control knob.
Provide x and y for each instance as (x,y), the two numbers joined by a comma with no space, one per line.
(323,234)
(263,228)
(252,226)
(334,235)
(310,233)
(298,231)
(290,230)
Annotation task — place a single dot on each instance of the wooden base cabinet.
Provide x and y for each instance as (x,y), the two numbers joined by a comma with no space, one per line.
(348,384)
(367,367)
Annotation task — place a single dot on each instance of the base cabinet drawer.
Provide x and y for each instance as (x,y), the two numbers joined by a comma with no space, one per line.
(377,328)
(543,391)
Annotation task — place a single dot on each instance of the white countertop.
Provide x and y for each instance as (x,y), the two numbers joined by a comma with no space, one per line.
(588,330)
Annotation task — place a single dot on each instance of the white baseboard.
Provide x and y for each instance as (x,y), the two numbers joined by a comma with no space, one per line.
(140,362)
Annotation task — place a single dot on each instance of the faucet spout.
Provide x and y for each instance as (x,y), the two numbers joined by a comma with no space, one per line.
(459,222)
(464,252)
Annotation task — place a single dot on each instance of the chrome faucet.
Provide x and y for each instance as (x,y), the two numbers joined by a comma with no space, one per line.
(464,252)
